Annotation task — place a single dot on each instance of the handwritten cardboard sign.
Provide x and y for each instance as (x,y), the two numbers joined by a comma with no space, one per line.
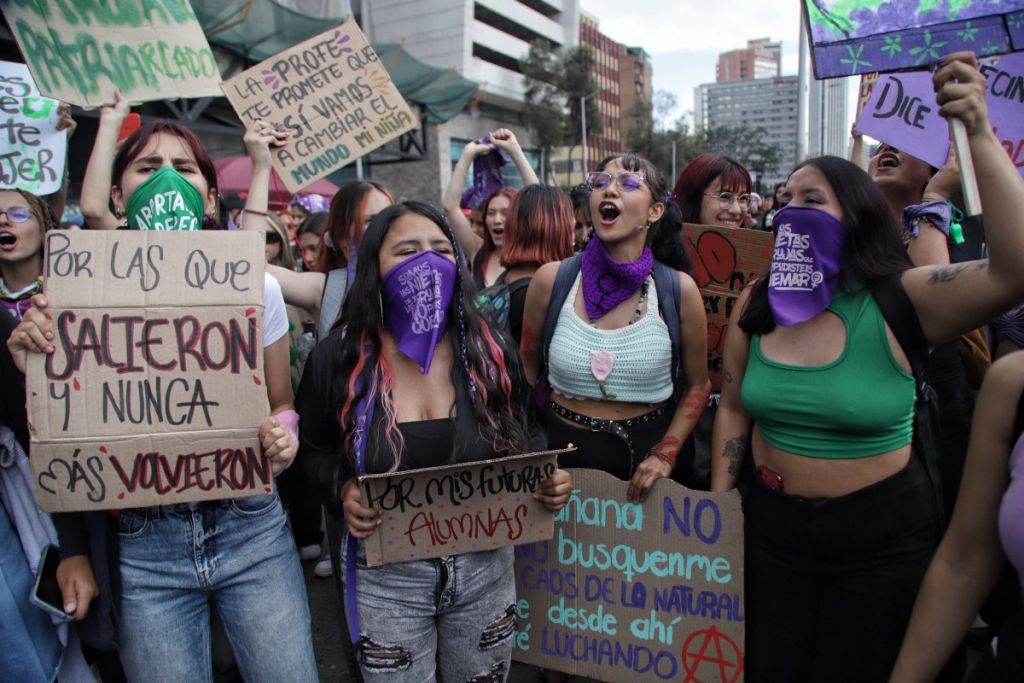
(155,390)
(80,52)
(34,150)
(456,509)
(334,96)
(724,261)
(636,592)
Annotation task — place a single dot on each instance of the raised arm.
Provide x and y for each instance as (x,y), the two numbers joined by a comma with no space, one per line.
(956,298)
(730,435)
(259,137)
(930,247)
(538,298)
(693,326)
(95,201)
(59,199)
(505,140)
(468,240)
(970,559)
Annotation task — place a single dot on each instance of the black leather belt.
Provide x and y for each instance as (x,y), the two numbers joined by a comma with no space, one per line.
(615,427)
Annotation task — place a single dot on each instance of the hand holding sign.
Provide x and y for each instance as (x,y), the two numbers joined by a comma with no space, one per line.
(360,519)
(34,333)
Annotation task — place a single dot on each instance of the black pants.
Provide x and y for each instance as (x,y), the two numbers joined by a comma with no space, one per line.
(603,451)
(831,582)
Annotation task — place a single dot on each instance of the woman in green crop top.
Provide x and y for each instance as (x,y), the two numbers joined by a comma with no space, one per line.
(841,521)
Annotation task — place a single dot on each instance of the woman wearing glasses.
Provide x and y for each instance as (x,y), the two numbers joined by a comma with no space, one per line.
(610,359)
(714,190)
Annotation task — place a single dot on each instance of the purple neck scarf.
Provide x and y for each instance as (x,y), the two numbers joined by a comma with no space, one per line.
(415,298)
(607,283)
(805,263)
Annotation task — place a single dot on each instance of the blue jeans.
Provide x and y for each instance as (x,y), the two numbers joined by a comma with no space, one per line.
(237,553)
(453,614)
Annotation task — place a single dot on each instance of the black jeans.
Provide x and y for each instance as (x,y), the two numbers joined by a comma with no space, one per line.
(831,582)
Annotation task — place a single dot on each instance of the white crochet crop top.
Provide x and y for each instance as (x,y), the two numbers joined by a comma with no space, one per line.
(630,364)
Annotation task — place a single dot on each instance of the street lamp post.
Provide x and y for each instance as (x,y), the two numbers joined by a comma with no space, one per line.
(583,125)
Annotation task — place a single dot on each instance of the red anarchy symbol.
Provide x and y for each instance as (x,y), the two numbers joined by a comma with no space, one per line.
(726,657)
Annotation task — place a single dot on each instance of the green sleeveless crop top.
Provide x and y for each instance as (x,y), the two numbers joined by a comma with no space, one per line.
(859,405)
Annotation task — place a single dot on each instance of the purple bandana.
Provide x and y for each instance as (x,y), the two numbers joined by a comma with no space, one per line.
(607,283)
(416,296)
(805,263)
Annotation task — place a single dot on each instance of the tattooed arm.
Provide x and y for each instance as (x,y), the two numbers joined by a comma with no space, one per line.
(731,432)
(693,324)
(951,300)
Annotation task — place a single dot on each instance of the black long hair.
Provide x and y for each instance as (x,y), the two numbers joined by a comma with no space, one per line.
(872,249)
(487,373)
(665,236)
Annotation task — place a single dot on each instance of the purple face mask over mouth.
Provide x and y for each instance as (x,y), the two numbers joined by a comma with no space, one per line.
(805,263)
(416,296)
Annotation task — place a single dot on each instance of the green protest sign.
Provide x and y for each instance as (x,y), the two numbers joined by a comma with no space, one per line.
(79,52)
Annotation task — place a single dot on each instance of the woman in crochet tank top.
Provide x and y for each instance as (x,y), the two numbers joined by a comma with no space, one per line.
(841,520)
(610,355)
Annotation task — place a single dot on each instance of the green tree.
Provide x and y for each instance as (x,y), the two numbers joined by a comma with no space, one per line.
(555,81)
(748,145)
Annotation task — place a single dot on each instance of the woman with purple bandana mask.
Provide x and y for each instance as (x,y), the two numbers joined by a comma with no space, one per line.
(610,358)
(434,384)
(841,519)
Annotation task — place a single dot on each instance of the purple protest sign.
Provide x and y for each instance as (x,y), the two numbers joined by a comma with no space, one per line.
(902,112)
(1005,82)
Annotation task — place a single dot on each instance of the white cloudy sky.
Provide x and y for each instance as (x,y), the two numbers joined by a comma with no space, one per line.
(684,37)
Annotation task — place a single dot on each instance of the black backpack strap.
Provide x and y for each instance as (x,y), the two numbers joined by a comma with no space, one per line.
(564,279)
(666,282)
(901,316)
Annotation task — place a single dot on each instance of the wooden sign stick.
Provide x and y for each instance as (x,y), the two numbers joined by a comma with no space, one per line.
(968,180)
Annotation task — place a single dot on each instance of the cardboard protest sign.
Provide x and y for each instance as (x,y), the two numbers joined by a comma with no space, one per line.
(34,150)
(334,96)
(902,111)
(850,37)
(724,261)
(80,52)
(155,390)
(455,509)
(636,592)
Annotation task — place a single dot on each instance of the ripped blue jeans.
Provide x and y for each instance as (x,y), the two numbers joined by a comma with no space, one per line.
(453,615)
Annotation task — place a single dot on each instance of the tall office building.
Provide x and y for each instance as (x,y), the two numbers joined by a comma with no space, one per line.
(761,58)
(483,40)
(829,118)
(770,103)
(608,56)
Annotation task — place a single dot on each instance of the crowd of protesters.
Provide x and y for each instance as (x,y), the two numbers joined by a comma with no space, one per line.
(561,318)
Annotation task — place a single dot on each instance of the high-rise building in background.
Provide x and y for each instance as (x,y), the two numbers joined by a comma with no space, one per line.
(750,93)
(608,56)
(761,58)
(769,103)
(622,76)
(829,118)
(483,40)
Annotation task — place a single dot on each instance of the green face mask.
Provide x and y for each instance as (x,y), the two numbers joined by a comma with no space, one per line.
(166,201)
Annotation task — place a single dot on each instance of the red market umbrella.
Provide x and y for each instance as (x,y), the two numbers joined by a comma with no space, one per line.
(234,173)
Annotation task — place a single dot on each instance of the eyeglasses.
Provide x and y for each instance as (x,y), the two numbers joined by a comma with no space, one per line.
(273,238)
(627,180)
(725,199)
(17,214)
